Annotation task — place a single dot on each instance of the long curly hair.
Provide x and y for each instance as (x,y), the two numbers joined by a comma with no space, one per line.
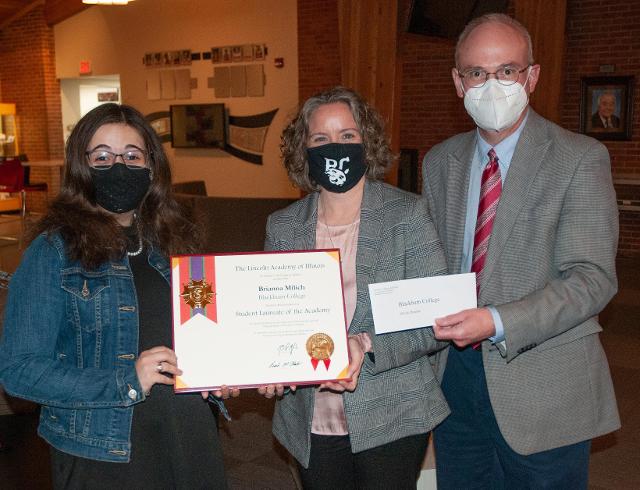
(92,236)
(295,137)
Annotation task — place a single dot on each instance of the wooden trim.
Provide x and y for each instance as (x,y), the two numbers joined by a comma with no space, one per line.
(369,59)
(545,22)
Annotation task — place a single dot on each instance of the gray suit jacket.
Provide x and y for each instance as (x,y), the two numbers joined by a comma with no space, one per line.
(550,270)
(397,393)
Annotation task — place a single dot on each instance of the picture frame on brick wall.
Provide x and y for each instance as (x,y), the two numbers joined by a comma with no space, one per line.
(606,107)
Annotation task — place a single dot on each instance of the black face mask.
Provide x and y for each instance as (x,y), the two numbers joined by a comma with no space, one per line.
(337,166)
(120,189)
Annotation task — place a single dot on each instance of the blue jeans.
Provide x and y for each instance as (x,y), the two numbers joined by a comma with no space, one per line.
(471,452)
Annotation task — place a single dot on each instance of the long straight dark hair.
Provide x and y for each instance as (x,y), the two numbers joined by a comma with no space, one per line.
(91,235)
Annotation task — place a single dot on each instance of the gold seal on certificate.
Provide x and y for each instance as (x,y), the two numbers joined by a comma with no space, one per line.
(320,348)
(261,318)
(197,294)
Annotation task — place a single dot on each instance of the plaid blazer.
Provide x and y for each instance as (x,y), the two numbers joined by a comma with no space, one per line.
(550,270)
(397,393)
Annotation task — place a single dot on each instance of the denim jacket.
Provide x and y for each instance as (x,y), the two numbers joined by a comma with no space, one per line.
(70,343)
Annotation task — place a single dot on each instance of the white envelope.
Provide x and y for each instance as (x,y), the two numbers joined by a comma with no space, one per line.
(416,303)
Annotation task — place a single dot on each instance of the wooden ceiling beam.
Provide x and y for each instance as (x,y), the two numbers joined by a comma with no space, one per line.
(24,10)
(58,10)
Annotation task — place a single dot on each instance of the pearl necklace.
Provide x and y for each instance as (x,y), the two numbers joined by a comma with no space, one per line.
(139,250)
(140,246)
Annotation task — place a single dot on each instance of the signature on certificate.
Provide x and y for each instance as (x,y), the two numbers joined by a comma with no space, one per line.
(277,364)
(287,349)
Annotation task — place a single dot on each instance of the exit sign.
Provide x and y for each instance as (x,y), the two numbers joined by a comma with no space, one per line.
(85,67)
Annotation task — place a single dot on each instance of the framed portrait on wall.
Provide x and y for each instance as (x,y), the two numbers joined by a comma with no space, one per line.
(606,107)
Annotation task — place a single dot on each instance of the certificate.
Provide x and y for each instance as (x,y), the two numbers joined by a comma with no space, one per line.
(415,303)
(251,319)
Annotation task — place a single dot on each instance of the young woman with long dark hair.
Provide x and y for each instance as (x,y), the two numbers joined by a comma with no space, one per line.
(88,319)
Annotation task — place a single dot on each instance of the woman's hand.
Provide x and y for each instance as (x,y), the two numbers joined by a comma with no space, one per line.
(270,390)
(357,358)
(225,392)
(154,365)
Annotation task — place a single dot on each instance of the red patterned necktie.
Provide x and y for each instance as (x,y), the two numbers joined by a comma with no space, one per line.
(490,189)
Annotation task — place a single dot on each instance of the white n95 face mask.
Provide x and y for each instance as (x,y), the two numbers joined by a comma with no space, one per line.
(495,107)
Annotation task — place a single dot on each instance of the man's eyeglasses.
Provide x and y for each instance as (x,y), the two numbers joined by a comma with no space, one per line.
(104,160)
(507,75)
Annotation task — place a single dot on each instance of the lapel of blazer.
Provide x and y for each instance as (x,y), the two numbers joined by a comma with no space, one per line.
(458,168)
(369,237)
(529,155)
(305,228)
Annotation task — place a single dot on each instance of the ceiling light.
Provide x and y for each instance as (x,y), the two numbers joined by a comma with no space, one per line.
(106,2)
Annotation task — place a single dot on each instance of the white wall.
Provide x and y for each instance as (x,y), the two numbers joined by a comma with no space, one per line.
(115,40)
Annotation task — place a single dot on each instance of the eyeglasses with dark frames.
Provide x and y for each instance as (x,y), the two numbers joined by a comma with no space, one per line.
(104,160)
(506,75)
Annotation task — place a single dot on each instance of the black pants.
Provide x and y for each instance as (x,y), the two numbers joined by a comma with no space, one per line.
(333,466)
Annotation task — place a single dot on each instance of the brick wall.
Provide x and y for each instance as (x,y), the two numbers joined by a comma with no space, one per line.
(430,110)
(603,32)
(606,32)
(598,32)
(318,46)
(27,78)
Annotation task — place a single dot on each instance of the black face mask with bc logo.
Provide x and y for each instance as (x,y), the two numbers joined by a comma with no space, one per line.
(337,167)
(120,189)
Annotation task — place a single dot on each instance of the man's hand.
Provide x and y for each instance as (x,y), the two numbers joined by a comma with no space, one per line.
(466,327)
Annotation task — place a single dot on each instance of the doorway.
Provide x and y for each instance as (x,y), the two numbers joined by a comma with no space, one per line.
(80,95)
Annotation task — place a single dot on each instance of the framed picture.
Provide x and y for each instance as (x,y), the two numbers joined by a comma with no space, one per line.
(258,52)
(215,55)
(108,96)
(226,54)
(185,57)
(606,107)
(247,52)
(236,53)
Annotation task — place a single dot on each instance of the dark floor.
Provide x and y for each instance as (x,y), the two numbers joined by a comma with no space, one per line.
(255,461)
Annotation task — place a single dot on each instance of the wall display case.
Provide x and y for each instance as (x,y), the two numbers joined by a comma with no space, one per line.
(8,131)
(8,148)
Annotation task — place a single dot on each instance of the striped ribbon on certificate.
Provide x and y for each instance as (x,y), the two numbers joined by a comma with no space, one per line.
(198,283)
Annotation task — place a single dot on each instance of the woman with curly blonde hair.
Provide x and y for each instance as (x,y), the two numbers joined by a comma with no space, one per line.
(371,431)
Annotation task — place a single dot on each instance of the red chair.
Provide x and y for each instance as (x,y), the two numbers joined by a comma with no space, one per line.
(14,177)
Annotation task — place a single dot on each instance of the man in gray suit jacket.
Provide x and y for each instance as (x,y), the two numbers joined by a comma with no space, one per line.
(530,208)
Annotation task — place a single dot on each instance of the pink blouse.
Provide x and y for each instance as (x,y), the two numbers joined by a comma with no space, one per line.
(328,412)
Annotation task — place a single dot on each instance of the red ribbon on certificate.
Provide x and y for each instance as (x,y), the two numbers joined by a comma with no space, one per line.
(314,363)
